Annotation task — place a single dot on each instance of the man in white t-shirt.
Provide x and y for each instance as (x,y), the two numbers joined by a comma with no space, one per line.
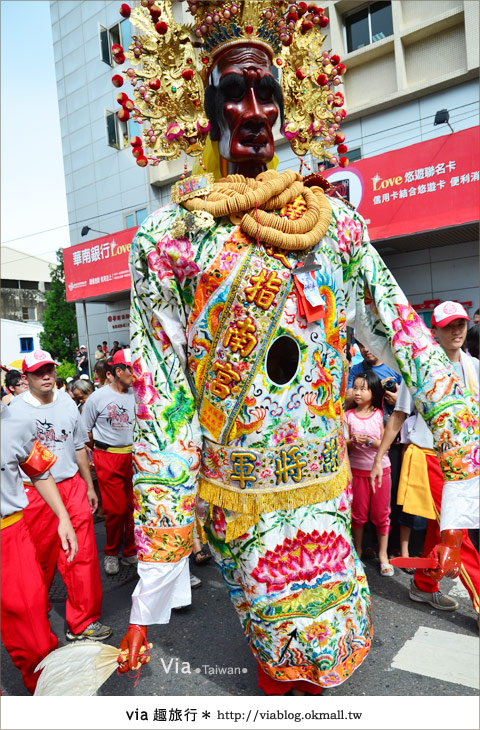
(108,417)
(26,631)
(59,429)
(449,326)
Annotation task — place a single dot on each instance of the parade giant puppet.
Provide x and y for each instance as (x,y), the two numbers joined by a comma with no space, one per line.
(242,290)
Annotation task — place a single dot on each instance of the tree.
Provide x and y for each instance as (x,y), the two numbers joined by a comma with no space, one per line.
(59,336)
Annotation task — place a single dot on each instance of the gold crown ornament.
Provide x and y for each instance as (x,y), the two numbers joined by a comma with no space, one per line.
(171,64)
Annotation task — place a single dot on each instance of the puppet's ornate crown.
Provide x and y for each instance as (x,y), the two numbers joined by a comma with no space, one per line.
(171,63)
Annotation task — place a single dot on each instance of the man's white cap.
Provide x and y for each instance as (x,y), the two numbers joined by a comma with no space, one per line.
(84,376)
(82,347)
(37,358)
(446,312)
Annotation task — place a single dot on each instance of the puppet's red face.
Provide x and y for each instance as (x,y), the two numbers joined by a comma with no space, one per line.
(247,109)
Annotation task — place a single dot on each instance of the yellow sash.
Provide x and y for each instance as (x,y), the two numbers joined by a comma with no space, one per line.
(116,449)
(11,519)
(413,488)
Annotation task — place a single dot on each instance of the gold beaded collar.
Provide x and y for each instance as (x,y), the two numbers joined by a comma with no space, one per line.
(251,202)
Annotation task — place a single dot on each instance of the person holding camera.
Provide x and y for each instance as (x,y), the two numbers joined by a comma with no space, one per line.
(389,378)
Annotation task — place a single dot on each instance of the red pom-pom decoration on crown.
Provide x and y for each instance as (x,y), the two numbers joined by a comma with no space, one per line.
(125,10)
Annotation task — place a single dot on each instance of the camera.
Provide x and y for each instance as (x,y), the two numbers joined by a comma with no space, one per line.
(390,385)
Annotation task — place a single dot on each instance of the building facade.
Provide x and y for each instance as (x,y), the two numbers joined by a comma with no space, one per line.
(406,61)
(24,281)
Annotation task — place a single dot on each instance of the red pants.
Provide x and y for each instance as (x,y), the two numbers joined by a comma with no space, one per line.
(82,575)
(470,571)
(114,475)
(274,687)
(26,631)
(364,501)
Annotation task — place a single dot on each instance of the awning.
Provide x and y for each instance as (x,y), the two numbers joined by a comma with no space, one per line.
(424,187)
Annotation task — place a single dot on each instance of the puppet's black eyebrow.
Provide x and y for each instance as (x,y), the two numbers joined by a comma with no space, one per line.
(231,81)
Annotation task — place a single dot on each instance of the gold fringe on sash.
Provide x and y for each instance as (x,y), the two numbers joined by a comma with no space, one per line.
(251,506)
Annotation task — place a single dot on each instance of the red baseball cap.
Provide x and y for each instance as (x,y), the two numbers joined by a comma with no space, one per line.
(446,312)
(36,359)
(122,357)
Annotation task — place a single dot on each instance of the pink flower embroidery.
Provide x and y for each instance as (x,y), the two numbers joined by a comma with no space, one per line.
(228,260)
(304,558)
(410,330)
(466,420)
(143,544)
(319,632)
(173,258)
(143,412)
(188,504)
(219,522)
(238,311)
(143,387)
(286,433)
(473,459)
(349,234)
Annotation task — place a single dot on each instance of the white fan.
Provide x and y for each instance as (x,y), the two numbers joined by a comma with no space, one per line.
(77,669)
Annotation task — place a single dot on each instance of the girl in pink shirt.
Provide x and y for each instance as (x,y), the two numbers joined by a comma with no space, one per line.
(365,431)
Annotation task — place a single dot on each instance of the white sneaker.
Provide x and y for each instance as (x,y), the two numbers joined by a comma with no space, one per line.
(129,560)
(111,564)
(194,581)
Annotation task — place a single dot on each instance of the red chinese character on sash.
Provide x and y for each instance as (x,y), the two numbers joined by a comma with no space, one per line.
(240,336)
(264,287)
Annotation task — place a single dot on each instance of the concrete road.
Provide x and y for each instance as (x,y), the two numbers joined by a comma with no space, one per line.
(203,652)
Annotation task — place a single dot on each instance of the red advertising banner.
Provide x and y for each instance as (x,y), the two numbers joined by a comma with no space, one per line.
(98,267)
(426,186)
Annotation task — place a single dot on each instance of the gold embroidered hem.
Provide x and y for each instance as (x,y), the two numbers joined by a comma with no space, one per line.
(251,506)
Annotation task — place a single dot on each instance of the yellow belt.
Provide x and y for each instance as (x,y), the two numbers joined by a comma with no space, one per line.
(11,519)
(116,449)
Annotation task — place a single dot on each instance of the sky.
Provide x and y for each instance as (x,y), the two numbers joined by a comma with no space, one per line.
(33,197)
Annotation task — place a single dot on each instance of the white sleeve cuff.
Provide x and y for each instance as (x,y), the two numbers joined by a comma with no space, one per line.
(162,586)
(460,502)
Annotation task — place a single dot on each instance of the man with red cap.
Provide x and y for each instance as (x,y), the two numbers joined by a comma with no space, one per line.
(421,468)
(58,427)
(108,416)
(26,631)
